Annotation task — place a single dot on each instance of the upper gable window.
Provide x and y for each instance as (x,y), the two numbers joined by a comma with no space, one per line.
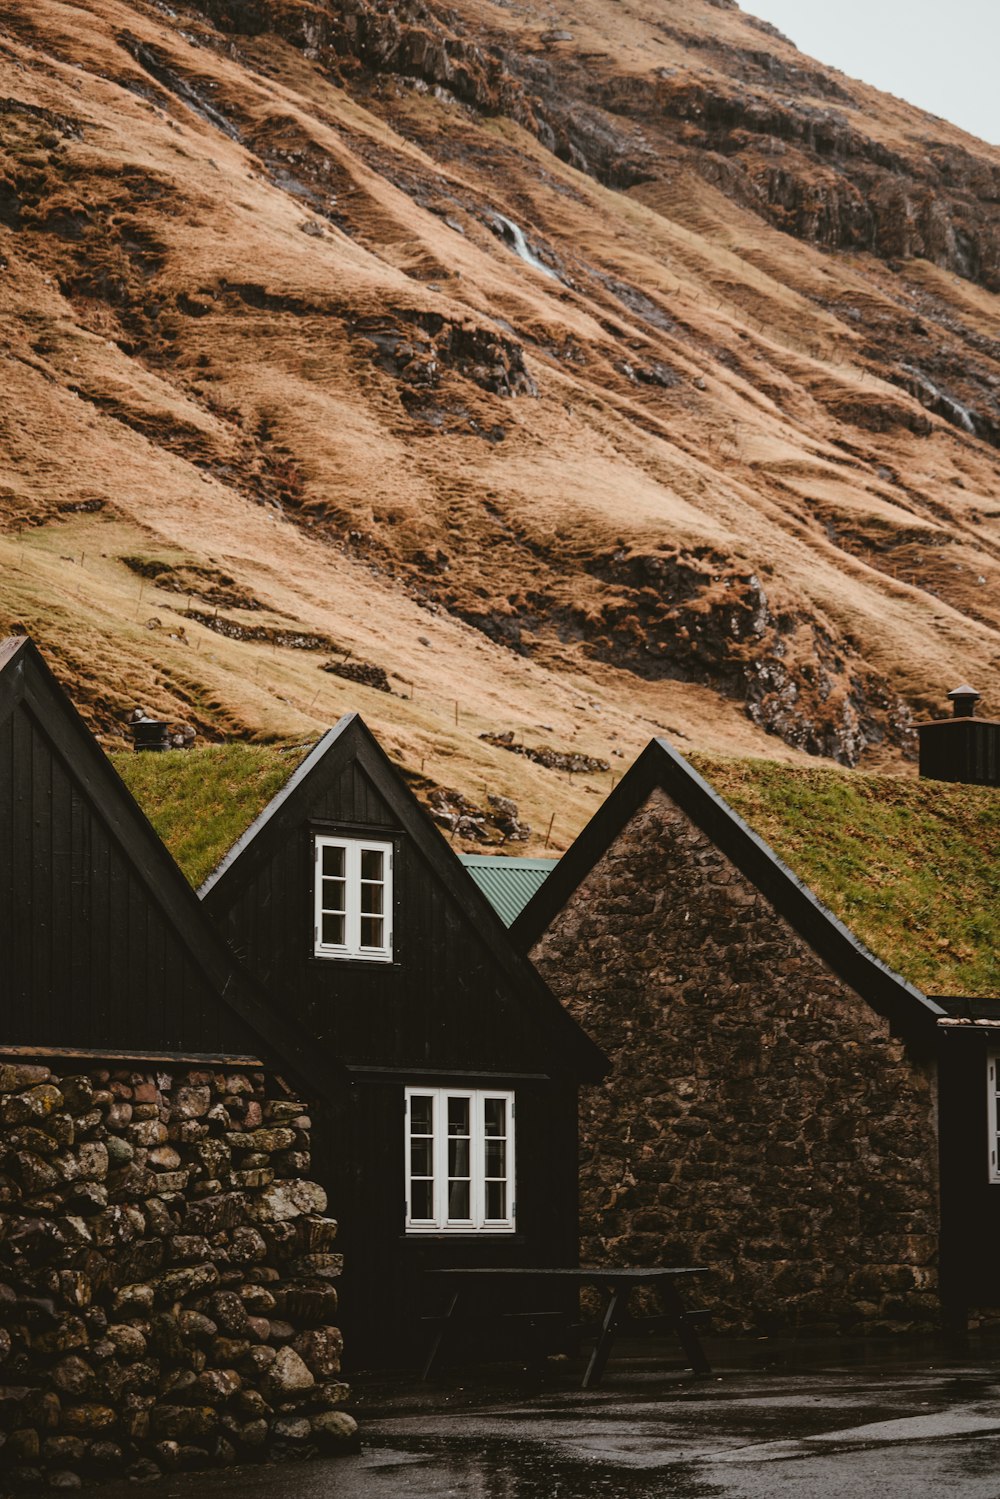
(353,899)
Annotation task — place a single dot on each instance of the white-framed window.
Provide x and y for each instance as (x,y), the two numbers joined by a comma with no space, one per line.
(993,1112)
(353,898)
(459,1161)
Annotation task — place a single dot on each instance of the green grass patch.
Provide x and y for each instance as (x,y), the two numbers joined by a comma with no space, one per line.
(200,801)
(911,866)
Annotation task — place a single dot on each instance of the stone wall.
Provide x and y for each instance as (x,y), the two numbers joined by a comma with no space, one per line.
(759,1118)
(167,1280)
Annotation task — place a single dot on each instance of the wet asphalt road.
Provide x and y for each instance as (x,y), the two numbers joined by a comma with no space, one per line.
(887,1426)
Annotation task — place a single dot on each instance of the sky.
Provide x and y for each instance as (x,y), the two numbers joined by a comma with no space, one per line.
(943,55)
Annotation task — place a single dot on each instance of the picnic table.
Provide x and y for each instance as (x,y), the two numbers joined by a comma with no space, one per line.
(616,1282)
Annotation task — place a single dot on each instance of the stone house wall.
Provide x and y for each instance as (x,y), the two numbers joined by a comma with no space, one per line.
(759,1118)
(167,1276)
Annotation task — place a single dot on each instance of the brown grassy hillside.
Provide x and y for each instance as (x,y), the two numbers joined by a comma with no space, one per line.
(719,458)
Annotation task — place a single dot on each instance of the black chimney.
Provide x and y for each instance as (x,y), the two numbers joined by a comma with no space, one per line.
(962,748)
(148,733)
(963,701)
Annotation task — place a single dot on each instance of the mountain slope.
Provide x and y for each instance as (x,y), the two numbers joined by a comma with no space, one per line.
(578,371)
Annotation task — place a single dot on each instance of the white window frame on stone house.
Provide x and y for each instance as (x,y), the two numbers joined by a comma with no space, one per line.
(352,898)
(460,1168)
(993,1114)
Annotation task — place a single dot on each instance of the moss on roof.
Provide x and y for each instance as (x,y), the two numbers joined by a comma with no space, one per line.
(911,866)
(201,800)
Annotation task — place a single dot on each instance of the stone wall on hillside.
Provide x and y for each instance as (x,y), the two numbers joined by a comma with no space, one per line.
(167,1276)
(759,1118)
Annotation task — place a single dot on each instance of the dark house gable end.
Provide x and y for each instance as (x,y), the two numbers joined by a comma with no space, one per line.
(106,948)
(456,996)
(145,1120)
(457,1017)
(771,1112)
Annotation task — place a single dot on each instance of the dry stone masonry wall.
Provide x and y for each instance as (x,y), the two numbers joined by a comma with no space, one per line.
(167,1275)
(759,1118)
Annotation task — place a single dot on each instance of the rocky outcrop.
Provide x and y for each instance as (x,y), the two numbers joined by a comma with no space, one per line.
(788,139)
(167,1276)
(495,824)
(694,616)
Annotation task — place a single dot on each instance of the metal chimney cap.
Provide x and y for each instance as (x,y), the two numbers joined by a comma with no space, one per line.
(964,699)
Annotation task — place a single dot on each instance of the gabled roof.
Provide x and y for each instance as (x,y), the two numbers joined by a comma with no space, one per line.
(28,687)
(351,739)
(508,884)
(660,766)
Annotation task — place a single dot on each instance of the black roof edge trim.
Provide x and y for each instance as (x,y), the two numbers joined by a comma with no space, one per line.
(660,765)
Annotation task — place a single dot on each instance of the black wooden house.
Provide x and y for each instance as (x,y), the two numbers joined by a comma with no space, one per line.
(105,948)
(455,1137)
(150,1097)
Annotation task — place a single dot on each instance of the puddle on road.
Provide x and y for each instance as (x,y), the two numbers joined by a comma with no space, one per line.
(517,1470)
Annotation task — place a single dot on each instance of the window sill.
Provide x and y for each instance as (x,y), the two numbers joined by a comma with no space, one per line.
(354,958)
(447,1236)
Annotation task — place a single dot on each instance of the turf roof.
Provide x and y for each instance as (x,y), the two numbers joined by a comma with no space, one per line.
(911,866)
(201,800)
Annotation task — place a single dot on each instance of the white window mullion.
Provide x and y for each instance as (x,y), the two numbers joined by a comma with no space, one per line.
(477,1151)
(353,918)
(440,1160)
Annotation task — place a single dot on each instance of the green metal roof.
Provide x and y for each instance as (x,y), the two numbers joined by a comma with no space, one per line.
(508,884)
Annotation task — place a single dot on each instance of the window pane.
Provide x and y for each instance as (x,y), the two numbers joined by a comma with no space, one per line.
(372,860)
(333,895)
(371,899)
(371,931)
(421,1199)
(495,1116)
(333,861)
(333,931)
(458,1157)
(458,1199)
(496,1200)
(421,1114)
(421,1156)
(496,1157)
(458,1116)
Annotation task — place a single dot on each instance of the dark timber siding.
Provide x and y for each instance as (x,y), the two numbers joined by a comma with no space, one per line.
(441,1003)
(90,959)
(385,1293)
(970,1202)
(457,1007)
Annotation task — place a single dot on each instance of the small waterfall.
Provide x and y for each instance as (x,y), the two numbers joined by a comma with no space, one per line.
(513,235)
(942,403)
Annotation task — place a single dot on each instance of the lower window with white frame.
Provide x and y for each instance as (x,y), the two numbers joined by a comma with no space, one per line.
(459,1161)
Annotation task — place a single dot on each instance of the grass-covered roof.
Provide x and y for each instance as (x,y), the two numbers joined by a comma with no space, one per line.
(201,800)
(911,866)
